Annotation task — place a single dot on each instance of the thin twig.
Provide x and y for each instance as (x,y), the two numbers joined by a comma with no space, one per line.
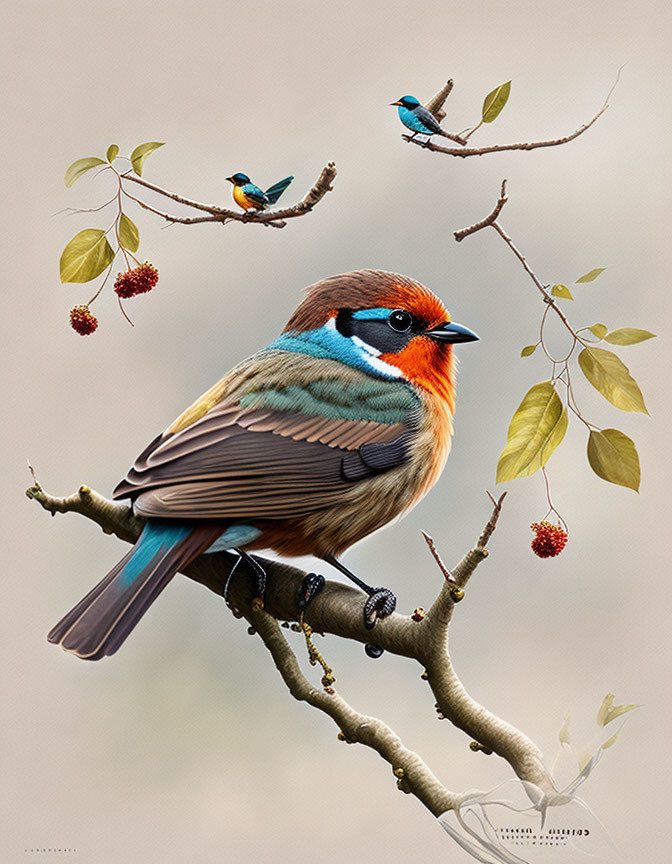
(492,522)
(465,232)
(435,552)
(436,103)
(275,218)
(490,221)
(499,148)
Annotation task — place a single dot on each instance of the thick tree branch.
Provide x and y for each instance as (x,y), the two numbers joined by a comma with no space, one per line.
(338,610)
(275,218)
(413,775)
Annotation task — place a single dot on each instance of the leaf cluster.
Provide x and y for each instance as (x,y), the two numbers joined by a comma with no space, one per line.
(539,424)
(90,252)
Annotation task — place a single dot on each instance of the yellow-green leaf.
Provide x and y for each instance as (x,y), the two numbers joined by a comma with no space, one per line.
(561,291)
(81,166)
(86,256)
(537,427)
(617,711)
(613,457)
(612,378)
(604,709)
(495,101)
(112,152)
(563,734)
(129,236)
(629,336)
(599,330)
(141,152)
(528,350)
(610,741)
(591,274)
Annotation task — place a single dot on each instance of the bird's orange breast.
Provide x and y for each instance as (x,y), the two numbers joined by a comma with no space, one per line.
(242,200)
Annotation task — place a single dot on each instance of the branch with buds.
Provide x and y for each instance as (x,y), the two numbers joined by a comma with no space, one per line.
(493,104)
(422,637)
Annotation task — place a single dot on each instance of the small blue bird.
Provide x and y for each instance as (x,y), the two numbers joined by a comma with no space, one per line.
(417,118)
(250,197)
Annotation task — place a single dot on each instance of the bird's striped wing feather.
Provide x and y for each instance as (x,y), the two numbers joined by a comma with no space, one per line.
(244,459)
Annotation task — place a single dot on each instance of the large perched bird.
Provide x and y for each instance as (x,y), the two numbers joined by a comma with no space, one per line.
(341,424)
(250,197)
(417,118)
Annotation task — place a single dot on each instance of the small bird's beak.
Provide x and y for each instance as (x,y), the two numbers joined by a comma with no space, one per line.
(451,332)
(395,103)
(230,179)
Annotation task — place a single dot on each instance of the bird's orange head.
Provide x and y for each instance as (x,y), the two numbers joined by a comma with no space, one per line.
(384,323)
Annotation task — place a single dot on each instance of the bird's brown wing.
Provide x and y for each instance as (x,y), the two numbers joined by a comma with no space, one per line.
(244,463)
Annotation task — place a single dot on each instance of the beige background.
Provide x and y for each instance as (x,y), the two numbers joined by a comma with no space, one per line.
(185,746)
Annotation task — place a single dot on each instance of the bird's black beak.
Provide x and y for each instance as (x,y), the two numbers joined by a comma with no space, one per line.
(230,179)
(452,333)
(398,102)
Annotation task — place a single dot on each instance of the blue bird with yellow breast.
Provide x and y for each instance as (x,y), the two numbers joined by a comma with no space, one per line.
(417,118)
(341,424)
(250,197)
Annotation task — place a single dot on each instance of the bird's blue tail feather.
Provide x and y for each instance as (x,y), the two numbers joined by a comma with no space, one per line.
(276,190)
(101,621)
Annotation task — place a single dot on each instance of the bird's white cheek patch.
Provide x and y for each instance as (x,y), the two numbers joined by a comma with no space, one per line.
(371,356)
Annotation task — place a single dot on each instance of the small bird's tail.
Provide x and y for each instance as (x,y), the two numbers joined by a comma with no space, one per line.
(102,620)
(276,190)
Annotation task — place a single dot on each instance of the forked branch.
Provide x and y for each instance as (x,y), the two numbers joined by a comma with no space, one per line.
(338,610)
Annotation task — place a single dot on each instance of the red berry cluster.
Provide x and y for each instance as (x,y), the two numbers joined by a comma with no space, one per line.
(550,539)
(137,281)
(83,321)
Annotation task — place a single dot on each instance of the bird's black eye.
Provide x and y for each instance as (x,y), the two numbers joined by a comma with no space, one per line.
(400,321)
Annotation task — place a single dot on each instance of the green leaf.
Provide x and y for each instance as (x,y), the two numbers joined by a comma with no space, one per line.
(141,152)
(613,457)
(605,708)
(563,734)
(617,711)
(612,378)
(86,256)
(495,101)
(129,236)
(537,427)
(591,274)
(528,350)
(629,336)
(599,330)
(112,152)
(561,291)
(81,166)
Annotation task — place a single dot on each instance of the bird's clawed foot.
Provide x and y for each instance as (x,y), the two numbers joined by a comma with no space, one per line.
(380,604)
(310,586)
(258,574)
